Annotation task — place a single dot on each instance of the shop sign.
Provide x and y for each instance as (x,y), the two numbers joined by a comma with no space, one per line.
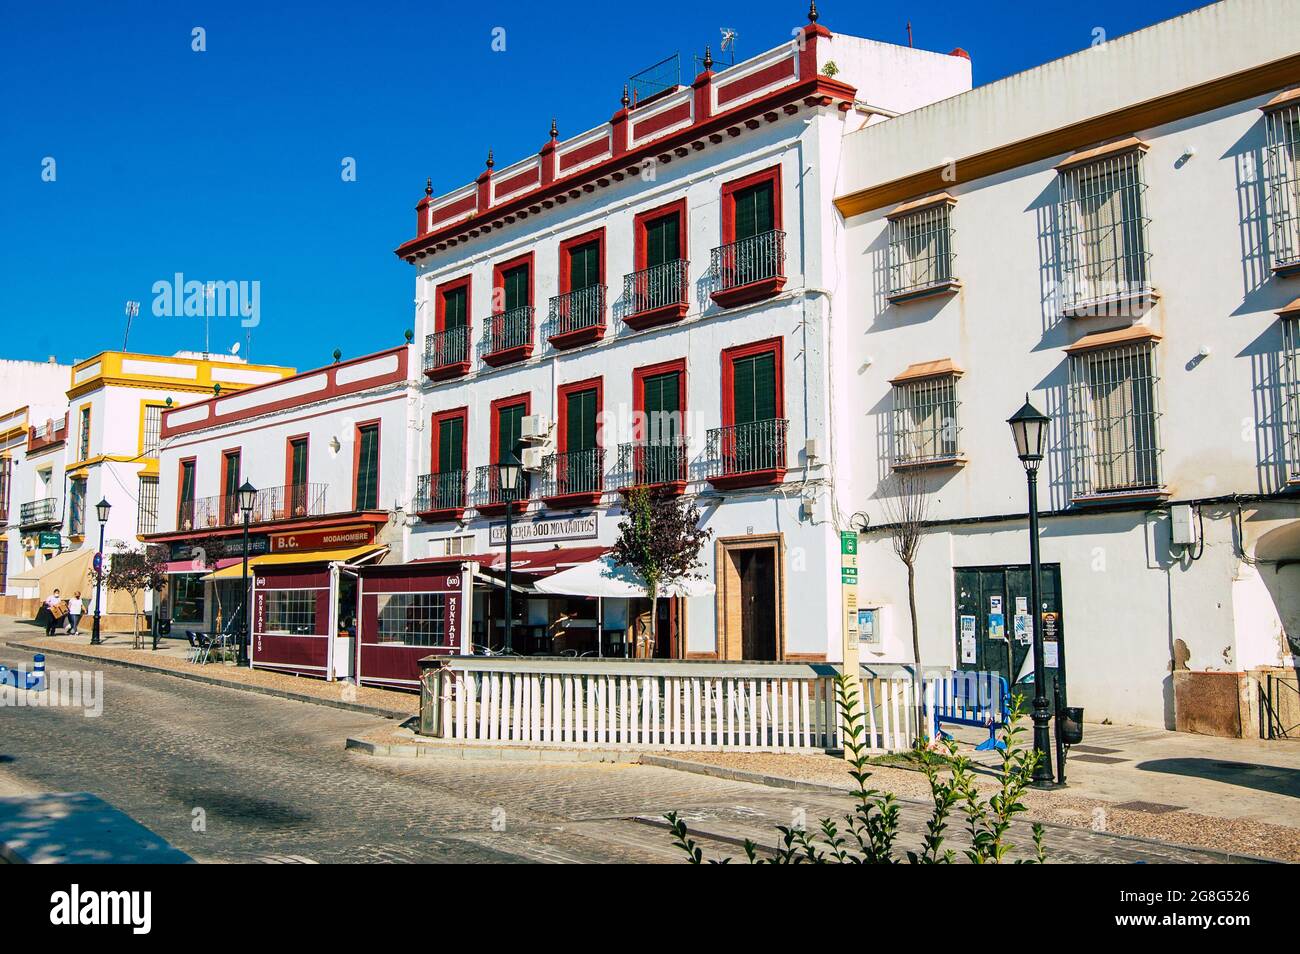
(218,548)
(335,538)
(50,541)
(584,527)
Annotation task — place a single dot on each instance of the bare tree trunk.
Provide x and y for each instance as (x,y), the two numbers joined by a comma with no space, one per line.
(922,730)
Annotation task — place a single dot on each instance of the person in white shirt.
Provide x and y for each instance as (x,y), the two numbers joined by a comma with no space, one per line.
(52,603)
(76,609)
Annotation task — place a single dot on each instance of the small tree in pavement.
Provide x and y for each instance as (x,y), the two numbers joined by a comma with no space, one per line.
(134,571)
(660,539)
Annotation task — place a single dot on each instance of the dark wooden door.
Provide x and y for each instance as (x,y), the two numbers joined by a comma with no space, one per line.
(982,592)
(757,571)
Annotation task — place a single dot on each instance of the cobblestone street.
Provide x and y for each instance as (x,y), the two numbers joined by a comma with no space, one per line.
(272,782)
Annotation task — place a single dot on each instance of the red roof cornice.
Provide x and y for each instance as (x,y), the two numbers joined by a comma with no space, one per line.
(814,92)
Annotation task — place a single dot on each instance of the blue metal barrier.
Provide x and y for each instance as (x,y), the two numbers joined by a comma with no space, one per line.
(977,699)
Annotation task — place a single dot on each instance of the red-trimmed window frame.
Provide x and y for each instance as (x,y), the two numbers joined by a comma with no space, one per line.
(454,369)
(494,443)
(562,393)
(193,463)
(639,375)
(435,426)
(643,219)
(762,288)
(289,442)
(356,460)
(776,346)
(499,269)
(580,336)
(228,505)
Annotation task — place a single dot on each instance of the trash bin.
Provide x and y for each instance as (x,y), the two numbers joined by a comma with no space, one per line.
(1070,724)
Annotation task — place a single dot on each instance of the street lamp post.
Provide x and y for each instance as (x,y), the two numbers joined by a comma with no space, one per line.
(247,495)
(508,474)
(101,511)
(1029,427)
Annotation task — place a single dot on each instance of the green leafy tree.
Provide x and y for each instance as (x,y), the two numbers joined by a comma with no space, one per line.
(133,571)
(660,538)
(867,834)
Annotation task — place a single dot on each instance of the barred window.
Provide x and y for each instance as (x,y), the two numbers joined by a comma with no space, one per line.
(147,508)
(413,619)
(1282,184)
(925,420)
(1291,394)
(1114,438)
(1103,234)
(291,612)
(152,430)
(920,250)
(77,508)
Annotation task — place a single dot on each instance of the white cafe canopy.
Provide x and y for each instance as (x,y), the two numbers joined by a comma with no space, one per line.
(603,578)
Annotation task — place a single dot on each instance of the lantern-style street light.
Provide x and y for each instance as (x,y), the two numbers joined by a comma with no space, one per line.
(508,481)
(1029,427)
(101,511)
(247,497)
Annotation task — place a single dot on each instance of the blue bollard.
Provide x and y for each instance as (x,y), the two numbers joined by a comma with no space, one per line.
(36,678)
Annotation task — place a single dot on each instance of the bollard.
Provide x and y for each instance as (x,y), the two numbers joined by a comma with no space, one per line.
(36,678)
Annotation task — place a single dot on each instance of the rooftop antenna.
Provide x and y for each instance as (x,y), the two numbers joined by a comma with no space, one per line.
(909,32)
(209,292)
(132,309)
(728,39)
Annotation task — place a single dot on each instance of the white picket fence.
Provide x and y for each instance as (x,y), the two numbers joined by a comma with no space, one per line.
(657,705)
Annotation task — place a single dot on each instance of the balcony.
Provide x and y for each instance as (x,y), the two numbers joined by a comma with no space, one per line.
(47,435)
(657,295)
(578,318)
(446,354)
(749,270)
(747,455)
(575,478)
(490,499)
(659,468)
(39,513)
(441,496)
(509,336)
(270,504)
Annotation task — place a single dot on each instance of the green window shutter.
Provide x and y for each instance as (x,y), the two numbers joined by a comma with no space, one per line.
(661,401)
(753,208)
(367,489)
(580,420)
(584,266)
(299,467)
(516,287)
(232,475)
(509,428)
(753,385)
(451,443)
(662,241)
(187,482)
(454,308)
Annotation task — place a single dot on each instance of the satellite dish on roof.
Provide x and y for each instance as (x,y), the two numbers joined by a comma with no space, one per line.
(234,348)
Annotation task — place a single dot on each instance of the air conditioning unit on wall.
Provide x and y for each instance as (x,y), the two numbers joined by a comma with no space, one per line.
(533,458)
(535,428)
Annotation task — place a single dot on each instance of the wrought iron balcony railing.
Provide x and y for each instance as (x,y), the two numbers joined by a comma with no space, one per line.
(750,260)
(747,448)
(510,329)
(489,492)
(441,491)
(36,513)
(270,503)
(575,472)
(646,464)
(446,348)
(660,286)
(578,310)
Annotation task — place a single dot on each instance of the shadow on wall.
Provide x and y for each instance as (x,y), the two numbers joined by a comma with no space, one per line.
(1268,426)
(1247,159)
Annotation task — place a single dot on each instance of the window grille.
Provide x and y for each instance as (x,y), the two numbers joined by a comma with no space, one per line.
(291,612)
(1103,236)
(1114,434)
(925,421)
(83,440)
(77,511)
(1291,395)
(413,619)
(6,483)
(147,509)
(1282,186)
(920,250)
(152,430)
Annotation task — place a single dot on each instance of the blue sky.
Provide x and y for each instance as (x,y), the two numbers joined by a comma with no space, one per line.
(226,164)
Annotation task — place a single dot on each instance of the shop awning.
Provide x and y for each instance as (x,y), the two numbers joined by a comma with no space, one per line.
(350,555)
(68,572)
(190,566)
(546,562)
(606,579)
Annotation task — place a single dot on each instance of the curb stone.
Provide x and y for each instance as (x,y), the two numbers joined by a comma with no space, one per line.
(214,681)
(468,753)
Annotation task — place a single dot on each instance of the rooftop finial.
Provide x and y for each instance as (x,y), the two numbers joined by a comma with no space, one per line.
(490,163)
(555,131)
(812,12)
(625,100)
(428,186)
(708,59)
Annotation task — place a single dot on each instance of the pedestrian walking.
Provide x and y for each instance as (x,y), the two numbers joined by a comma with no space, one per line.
(76,610)
(54,612)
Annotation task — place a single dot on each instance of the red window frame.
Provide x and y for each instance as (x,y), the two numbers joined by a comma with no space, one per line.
(729,190)
(642,219)
(561,403)
(288,457)
(566,251)
(638,392)
(193,464)
(729,356)
(526,399)
(225,480)
(436,427)
(440,306)
(498,279)
(356,458)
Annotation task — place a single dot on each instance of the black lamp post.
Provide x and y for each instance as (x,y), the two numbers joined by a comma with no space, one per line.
(101,511)
(247,495)
(508,474)
(1029,426)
